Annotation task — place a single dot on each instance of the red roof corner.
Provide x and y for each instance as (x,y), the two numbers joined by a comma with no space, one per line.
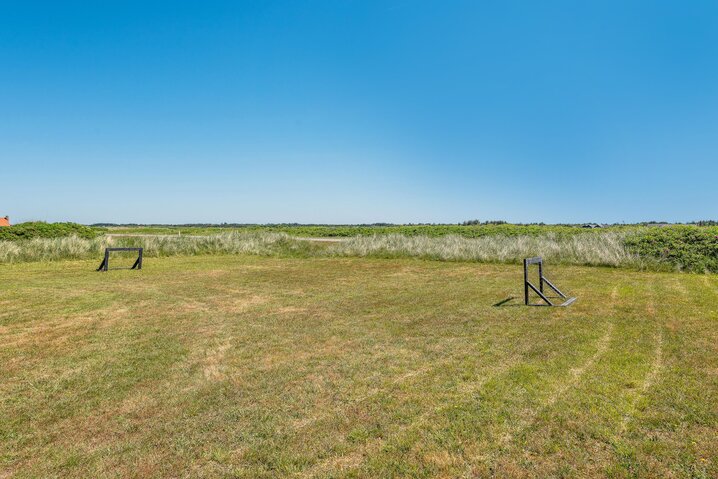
(5,221)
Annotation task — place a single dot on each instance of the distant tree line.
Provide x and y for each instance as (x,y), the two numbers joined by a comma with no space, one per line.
(463,223)
(479,222)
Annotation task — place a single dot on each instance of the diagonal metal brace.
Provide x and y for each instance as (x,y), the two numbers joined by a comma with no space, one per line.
(528,286)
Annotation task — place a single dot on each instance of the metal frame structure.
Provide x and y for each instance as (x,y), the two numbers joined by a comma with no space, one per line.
(105,265)
(540,290)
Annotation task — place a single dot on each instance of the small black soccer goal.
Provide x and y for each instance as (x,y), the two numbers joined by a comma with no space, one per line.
(105,265)
(542,281)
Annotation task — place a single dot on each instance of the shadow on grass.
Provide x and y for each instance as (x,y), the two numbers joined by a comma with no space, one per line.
(509,302)
(505,302)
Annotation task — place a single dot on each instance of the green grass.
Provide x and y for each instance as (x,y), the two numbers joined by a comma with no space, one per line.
(241,366)
(334,231)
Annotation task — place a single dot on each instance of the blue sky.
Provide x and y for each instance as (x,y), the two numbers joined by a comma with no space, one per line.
(358,111)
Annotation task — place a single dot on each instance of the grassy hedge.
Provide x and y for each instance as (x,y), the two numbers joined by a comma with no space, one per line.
(686,248)
(40,229)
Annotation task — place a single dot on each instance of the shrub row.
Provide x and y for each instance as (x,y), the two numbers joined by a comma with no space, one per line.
(40,229)
(685,248)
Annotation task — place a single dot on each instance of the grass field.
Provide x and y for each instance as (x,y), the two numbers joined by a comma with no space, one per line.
(242,366)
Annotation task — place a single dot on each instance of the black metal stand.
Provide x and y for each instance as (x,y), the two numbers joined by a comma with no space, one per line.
(542,280)
(105,265)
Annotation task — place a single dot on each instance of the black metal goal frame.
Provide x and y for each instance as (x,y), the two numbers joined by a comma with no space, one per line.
(105,265)
(542,280)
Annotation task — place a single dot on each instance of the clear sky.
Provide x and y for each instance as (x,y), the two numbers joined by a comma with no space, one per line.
(358,111)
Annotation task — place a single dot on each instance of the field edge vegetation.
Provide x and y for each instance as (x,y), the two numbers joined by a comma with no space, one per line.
(691,249)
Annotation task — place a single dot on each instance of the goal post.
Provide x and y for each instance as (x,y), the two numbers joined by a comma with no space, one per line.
(105,265)
(540,290)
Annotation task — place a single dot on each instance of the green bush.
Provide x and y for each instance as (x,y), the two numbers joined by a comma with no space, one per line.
(686,248)
(40,229)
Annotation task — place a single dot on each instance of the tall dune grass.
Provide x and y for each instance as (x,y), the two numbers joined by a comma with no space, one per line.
(51,249)
(595,249)
(259,243)
(73,247)
(608,249)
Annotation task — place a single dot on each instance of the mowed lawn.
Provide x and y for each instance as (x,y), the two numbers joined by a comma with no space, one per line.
(272,367)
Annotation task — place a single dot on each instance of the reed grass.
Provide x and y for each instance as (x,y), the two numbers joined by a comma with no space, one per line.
(607,249)
(73,247)
(257,243)
(595,250)
(51,249)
